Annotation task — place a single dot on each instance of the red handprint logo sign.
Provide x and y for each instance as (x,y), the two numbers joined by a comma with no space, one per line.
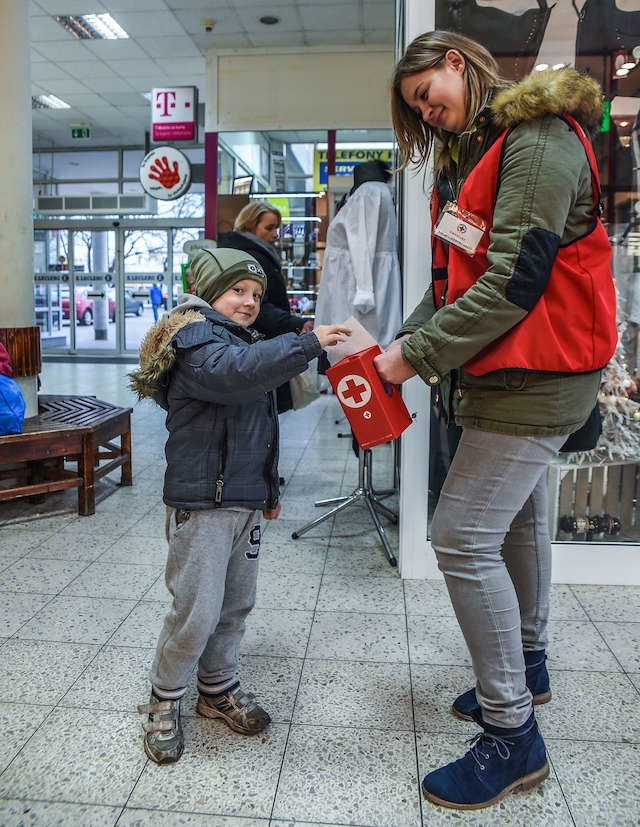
(161,171)
(165,173)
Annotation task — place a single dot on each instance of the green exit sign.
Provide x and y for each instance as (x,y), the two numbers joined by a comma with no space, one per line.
(80,132)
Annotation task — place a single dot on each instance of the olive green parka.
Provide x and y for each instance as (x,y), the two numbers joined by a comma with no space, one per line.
(545,184)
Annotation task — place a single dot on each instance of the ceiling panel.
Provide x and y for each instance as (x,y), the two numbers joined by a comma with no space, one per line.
(264,39)
(52,7)
(102,80)
(174,46)
(66,87)
(336,37)
(181,66)
(110,50)
(67,50)
(45,72)
(336,16)
(95,70)
(142,24)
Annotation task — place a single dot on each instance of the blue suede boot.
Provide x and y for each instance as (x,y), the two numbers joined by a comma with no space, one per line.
(500,761)
(467,708)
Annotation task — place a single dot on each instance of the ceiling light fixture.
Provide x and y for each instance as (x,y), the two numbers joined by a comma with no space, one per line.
(269,20)
(48,102)
(92,26)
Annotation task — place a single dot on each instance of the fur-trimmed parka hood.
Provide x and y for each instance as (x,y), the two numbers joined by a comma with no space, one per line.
(551,92)
(157,354)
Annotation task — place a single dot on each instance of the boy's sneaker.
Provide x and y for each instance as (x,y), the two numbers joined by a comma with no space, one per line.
(467,708)
(238,709)
(500,761)
(164,739)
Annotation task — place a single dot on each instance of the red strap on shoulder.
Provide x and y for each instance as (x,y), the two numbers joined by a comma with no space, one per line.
(593,164)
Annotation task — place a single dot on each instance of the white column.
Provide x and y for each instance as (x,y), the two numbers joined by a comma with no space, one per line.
(100,263)
(416,559)
(16,216)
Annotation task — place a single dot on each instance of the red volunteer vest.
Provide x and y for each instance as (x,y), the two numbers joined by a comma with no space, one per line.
(572,328)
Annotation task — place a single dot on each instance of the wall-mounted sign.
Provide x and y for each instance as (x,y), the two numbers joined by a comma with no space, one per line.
(80,131)
(346,160)
(165,173)
(174,114)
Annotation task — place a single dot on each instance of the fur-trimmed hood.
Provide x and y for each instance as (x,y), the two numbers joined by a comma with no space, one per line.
(157,354)
(551,92)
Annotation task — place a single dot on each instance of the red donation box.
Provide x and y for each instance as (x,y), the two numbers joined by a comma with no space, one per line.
(375,411)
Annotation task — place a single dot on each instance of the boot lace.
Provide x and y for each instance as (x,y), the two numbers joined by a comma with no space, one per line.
(483,744)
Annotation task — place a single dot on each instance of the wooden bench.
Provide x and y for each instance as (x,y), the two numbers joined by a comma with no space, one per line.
(75,429)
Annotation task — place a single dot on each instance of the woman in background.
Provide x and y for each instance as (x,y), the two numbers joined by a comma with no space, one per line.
(255,231)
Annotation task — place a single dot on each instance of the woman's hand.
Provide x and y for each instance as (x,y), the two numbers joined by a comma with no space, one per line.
(392,366)
(307,326)
(331,334)
(272,513)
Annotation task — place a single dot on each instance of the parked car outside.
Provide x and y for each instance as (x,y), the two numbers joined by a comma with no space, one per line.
(84,308)
(132,306)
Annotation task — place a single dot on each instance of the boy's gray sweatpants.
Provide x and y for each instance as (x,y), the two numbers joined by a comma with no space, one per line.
(211,573)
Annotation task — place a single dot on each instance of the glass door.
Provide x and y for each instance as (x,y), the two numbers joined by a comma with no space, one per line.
(145,289)
(100,289)
(91,315)
(182,251)
(51,287)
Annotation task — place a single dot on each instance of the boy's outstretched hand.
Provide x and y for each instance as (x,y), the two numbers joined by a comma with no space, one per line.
(331,334)
(272,513)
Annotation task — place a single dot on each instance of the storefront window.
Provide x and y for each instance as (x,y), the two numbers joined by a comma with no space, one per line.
(593,496)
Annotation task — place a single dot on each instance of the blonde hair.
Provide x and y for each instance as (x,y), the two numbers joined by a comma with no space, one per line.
(481,77)
(249,216)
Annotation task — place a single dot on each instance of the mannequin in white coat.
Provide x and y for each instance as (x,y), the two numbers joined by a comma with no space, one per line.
(360,268)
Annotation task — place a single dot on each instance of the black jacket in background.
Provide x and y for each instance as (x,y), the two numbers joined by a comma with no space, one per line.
(275,317)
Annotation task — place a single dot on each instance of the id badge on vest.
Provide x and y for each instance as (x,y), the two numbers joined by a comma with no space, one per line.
(460,227)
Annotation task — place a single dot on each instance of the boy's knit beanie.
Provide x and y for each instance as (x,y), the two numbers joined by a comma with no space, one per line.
(215,271)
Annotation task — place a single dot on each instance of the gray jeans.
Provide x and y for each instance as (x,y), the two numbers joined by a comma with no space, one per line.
(211,573)
(491,538)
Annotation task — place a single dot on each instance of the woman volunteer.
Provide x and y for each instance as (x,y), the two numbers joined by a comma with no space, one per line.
(516,330)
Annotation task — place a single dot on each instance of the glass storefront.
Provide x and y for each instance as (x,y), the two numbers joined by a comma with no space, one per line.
(593,496)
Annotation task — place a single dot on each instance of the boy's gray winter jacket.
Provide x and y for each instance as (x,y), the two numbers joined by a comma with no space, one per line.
(215,381)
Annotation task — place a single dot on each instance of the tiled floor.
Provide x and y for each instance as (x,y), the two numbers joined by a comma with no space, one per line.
(357,667)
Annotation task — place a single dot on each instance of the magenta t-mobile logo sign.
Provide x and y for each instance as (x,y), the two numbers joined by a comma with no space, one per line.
(173,114)
(165,101)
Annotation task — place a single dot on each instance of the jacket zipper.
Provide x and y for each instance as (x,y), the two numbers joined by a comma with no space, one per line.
(271,465)
(221,466)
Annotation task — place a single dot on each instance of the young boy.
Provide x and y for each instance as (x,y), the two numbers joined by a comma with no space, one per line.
(206,368)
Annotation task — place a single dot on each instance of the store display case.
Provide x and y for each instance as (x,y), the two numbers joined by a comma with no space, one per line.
(301,245)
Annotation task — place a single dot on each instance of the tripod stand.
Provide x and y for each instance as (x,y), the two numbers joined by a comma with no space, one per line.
(365,492)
